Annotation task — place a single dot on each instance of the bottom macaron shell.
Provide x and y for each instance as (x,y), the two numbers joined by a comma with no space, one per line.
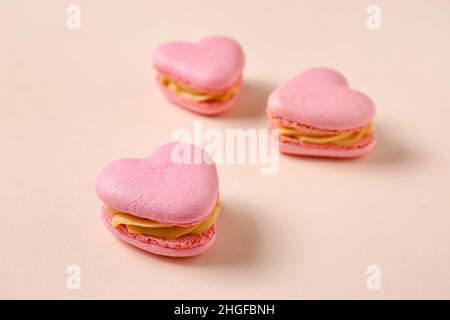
(207,109)
(184,246)
(295,149)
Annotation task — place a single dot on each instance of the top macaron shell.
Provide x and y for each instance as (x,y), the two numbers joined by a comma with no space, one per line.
(213,64)
(159,189)
(321,98)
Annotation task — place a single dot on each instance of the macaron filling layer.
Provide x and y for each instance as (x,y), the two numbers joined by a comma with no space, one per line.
(141,226)
(345,138)
(197,95)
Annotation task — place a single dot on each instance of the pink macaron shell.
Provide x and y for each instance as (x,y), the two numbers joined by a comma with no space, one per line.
(213,64)
(159,189)
(297,149)
(184,246)
(207,109)
(321,98)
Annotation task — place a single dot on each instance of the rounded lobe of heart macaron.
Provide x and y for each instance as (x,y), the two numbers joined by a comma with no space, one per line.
(160,187)
(321,98)
(212,64)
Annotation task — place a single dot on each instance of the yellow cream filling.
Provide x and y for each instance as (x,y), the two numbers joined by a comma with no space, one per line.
(196,95)
(346,138)
(147,227)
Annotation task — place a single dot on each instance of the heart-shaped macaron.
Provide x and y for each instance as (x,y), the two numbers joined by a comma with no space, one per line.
(204,76)
(159,192)
(319,115)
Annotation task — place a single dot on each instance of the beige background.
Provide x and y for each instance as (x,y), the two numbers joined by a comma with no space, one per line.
(71,101)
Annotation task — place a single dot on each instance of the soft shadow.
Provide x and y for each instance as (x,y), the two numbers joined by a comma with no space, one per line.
(251,101)
(388,150)
(237,241)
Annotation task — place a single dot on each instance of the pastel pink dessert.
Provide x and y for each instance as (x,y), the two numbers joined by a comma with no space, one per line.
(166,204)
(204,77)
(317,114)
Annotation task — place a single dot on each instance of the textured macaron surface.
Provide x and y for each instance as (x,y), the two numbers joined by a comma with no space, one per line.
(176,184)
(212,64)
(321,98)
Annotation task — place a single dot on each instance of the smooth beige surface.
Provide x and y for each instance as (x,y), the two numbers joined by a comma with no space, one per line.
(71,101)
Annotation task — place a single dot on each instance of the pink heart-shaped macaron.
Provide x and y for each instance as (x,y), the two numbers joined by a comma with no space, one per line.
(212,65)
(320,99)
(163,190)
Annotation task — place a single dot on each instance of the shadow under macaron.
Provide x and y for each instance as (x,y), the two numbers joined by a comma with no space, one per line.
(389,150)
(251,101)
(237,240)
